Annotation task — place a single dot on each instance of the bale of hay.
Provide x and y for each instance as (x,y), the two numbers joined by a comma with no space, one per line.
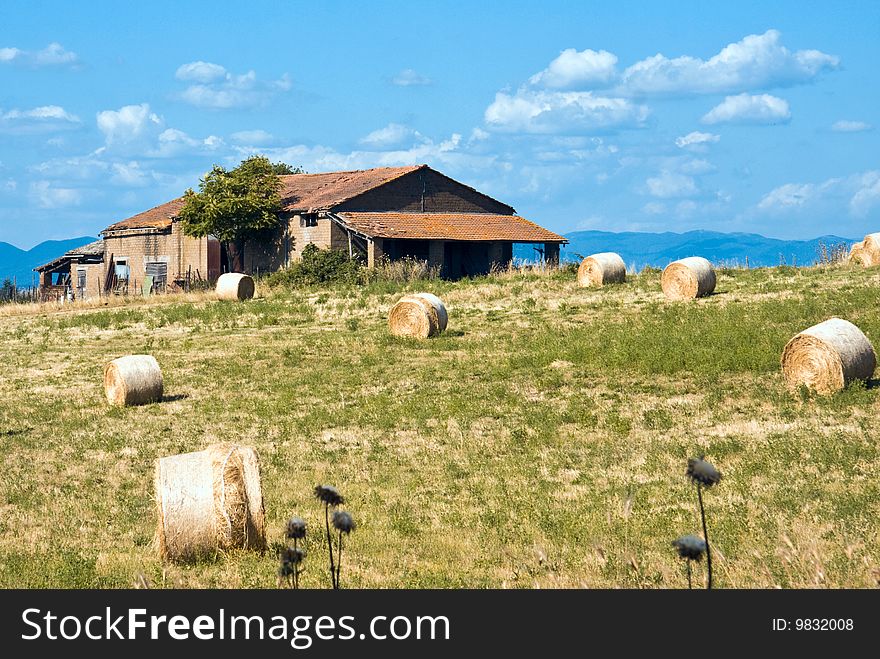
(420,315)
(235,286)
(133,380)
(858,256)
(871,246)
(439,307)
(600,269)
(828,356)
(209,501)
(688,278)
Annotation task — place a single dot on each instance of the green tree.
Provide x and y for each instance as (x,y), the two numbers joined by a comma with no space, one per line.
(282,168)
(235,205)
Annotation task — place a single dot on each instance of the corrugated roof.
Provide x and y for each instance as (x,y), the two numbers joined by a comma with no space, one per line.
(449,226)
(312,192)
(156,218)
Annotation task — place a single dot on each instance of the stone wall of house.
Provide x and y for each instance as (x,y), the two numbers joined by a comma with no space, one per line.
(94,280)
(428,191)
(179,251)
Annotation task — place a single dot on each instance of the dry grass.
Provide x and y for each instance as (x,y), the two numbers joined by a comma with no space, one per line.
(549,423)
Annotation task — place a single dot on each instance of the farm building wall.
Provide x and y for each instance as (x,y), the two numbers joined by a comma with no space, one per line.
(94,280)
(439,194)
(277,249)
(179,251)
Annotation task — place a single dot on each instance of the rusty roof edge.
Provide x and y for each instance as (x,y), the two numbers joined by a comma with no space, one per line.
(558,238)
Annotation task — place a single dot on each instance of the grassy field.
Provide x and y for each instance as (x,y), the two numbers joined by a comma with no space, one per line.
(540,442)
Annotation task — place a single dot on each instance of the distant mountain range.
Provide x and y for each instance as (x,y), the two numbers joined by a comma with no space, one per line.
(19,263)
(637,250)
(659,249)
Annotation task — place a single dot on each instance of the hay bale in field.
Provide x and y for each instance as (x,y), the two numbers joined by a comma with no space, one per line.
(209,501)
(235,286)
(600,269)
(688,278)
(420,315)
(828,356)
(858,256)
(871,246)
(133,380)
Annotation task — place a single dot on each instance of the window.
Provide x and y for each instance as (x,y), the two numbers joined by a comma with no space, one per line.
(80,283)
(308,220)
(158,270)
(122,269)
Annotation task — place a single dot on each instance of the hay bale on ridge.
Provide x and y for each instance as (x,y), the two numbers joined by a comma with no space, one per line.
(871,245)
(209,501)
(420,315)
(828,356)
(600,269)
(688,278)
(235,286)
(859,256)
(133,380)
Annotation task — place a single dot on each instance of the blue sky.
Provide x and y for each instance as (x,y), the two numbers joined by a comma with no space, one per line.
(654,116)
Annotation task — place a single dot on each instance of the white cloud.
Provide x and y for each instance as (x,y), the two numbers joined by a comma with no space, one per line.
(47,196)
(846,126)
(218,89)
(253,137)
(9,54)
(671,185)
(787,196)
(748,109)
(867,194)
(52,55)
(858,194)
(755,62)
(128,124)
(696,140)
(654,208)
(410,78)
(200,72)
(391,135)
(43,119)
(135,130)
(573,69)
(562,112)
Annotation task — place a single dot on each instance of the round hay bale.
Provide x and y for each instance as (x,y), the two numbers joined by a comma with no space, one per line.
(209,501)
(133,380)
(688,278)
(871,245)
(235,286)
(418,316)
(600,269)
(439,307)
(828,356)
(858,256)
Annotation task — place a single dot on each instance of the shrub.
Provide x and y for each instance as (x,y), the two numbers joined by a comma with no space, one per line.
(318,266)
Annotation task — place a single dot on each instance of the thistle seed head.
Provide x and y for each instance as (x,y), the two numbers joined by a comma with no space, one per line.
(343,522)
(702,472)
(296,528)
(690,547)
(329,495)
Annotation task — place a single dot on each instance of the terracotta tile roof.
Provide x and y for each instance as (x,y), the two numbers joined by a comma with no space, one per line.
(156,218)
(313,192)
(88,252)
(449,226)
(92,249)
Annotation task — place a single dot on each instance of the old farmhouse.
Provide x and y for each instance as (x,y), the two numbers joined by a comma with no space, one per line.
(383,213)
